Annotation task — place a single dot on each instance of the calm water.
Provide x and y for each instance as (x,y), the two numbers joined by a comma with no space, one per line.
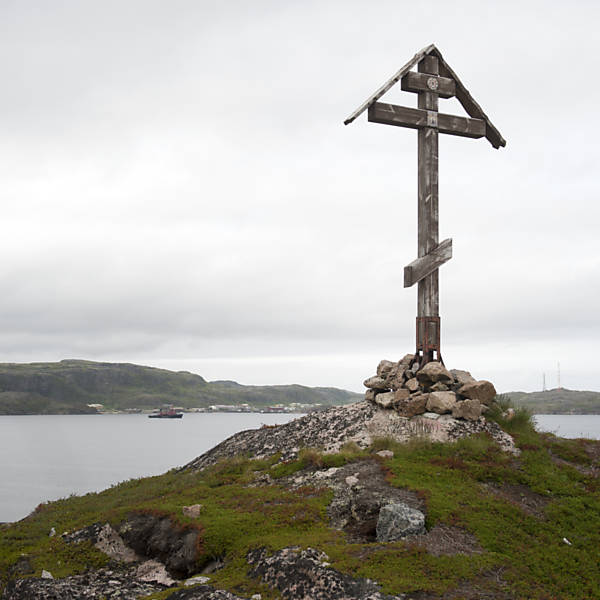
(49,457)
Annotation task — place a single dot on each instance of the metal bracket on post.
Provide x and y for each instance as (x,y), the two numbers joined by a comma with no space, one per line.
(428,341)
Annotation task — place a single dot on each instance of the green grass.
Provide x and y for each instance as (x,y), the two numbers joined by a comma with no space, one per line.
(456,481)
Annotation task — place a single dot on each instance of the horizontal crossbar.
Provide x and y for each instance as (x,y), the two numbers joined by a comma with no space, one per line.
(422,82)
(416,118)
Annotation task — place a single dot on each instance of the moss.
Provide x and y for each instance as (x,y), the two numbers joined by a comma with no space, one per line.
(453,480)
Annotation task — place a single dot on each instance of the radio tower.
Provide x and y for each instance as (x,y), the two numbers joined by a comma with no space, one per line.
(558,375)
(543,382)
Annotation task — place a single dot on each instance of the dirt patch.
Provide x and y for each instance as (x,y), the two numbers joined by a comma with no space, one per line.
(527,500)
(445,540)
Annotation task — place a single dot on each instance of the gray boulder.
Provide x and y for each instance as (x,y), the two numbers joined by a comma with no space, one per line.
(397,520)
(441,402)
(410,407)
(467,409)
(384,367)
(376,383)
(433,372)
(484,391)
(462,377)
(385,400)
(412,385)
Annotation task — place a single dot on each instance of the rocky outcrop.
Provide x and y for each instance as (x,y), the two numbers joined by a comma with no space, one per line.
(301,574)
(203,592)
(433,389)
(329,430)
(360,491)
(107,584)
(155,536)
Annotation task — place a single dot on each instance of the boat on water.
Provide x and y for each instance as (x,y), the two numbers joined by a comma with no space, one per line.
(167,412)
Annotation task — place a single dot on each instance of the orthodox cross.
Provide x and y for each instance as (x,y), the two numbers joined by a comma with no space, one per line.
(433,79)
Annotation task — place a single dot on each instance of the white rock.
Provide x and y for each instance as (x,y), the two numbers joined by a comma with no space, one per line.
(431,415)
(256,597)
(46,574)
(196,580)
(385,453)
(112,544)
(154,571)
(441,402)
(192,511)
(52,532)
(352,480)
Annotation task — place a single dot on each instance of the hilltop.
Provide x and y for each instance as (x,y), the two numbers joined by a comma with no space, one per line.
(558,402)
(69,386)
(497,511)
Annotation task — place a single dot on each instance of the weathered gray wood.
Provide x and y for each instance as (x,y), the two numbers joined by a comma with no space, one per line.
(389,83)
(421,82)
(421,267)
(414,118)
(462,94)
(428,217)
(469,104)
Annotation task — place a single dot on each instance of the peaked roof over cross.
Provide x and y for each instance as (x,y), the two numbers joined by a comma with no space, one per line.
(462,94)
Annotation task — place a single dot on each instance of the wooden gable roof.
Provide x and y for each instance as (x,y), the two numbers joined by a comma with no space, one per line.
(462,94)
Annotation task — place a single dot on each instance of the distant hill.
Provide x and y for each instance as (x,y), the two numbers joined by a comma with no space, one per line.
(558,402)
(69,386)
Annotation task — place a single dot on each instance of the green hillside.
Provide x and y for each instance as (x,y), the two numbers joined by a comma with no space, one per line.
(69,386)
(558,402)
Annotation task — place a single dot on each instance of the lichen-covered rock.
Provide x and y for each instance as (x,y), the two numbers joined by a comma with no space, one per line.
(461,377)
(467,409)
(106,539)
(370,395)
(384,368)
(412,384)
(305,574)
(441,402)
(484,391)
(329,430)
(203,592)
(397,520)
(439,387)
(109,584)
(412,406)
(385,400)
(433,372)
(376,383)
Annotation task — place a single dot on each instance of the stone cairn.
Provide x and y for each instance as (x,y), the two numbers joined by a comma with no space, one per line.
(432,389)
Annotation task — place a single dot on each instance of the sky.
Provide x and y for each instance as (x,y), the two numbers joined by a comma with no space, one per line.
(177,188)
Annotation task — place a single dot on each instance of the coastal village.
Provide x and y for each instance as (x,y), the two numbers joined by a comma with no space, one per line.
(292,408)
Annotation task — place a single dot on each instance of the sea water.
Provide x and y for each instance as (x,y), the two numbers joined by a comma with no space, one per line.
(53,456)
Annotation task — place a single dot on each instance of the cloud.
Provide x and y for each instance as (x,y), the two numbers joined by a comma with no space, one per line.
(177,186)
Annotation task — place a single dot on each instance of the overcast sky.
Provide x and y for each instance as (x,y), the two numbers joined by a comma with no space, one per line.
(178,188)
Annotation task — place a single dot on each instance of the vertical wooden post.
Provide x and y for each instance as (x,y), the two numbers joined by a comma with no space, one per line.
(428,321)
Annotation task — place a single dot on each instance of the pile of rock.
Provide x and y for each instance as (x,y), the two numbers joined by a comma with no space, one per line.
(411,391)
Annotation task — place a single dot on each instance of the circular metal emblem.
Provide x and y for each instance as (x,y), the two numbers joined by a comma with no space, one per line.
(433,83)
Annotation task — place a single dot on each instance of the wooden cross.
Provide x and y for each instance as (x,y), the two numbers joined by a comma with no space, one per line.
(433,79)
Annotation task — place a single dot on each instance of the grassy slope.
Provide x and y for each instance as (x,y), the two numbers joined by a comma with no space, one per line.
(70,385)
(524,550)
(558,402)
